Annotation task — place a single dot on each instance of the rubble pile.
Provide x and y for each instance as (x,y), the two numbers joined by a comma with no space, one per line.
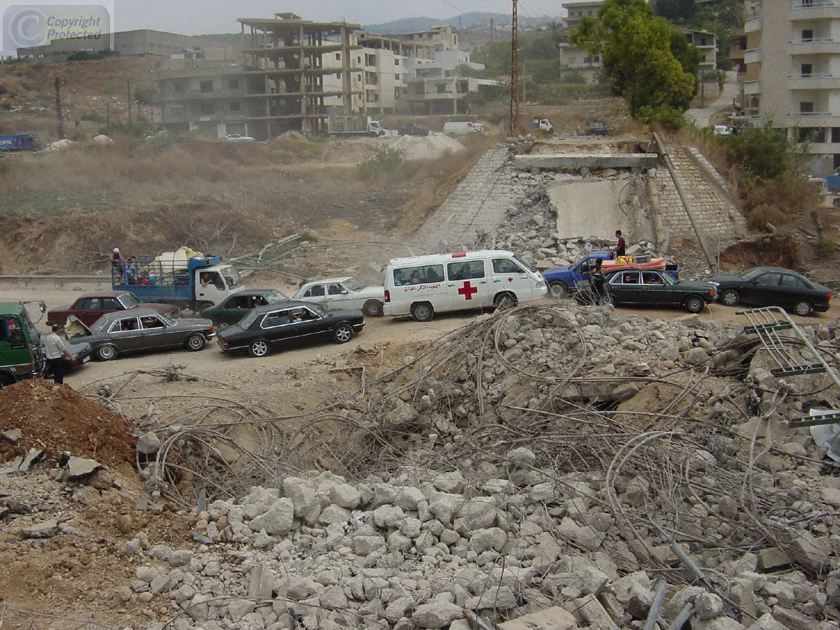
(541,458)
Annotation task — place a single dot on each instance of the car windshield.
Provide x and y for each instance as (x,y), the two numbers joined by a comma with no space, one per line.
(231,276)
(523,265)
(318,309)
(275,296)
(129,300)
(167,321)
(354,285)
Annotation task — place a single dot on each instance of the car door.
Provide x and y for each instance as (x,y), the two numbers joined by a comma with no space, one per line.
(234,308)
(468,285)
(91,309)
(654,290)
(158,334)
(317,294)
(763,290)
(625,287)
(339,297)
(126,334)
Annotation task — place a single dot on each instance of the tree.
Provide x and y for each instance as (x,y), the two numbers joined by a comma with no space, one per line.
(635,48)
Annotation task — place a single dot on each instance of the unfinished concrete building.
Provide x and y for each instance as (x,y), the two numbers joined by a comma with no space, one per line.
(285,73)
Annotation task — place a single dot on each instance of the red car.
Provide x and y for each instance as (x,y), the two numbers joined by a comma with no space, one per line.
(91,306)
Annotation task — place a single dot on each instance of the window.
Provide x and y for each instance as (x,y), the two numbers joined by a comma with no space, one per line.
(370,60)
(465,270)
(805,69)
(503,265)
(110,304)
(441,88)
(807,35)
(316,291)
(338,56)
(151,322)
(207,108)
(179,86)
(835,134)
(806,107)
(234,106)
(334,289)
(206,86)
(233,84)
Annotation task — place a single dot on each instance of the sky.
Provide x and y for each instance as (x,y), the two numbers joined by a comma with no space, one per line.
(197,17)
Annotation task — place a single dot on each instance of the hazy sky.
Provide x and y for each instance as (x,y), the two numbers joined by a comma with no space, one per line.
(195,17)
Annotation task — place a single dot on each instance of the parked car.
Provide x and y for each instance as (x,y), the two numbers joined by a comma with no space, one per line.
(343,293)
(657,288)
(91,306)
(235,137)
(267,327)
(140,330)
(772,286)
(237,305)
(412,129)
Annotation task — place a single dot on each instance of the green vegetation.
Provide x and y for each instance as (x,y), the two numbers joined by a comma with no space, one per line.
(84,55)
(636,50)
(145,95)
(384,162)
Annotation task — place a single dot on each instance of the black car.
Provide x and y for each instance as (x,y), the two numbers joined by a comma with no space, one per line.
(651,287)
(412,129)
(140,330)
(266,327)
(772,286)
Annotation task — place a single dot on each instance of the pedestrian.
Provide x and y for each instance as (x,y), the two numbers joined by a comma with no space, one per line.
(620,248)
(598,284)
(55,353)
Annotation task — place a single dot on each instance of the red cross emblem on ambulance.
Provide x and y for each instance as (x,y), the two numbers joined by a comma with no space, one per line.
(467,290)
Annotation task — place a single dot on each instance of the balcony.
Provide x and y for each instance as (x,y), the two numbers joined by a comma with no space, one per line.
(814,11)
(753,55)
(816,46)
(825,81)
(752,87)
(808,118)
(753,24)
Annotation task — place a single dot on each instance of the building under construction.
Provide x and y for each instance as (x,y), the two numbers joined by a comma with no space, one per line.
(295,70)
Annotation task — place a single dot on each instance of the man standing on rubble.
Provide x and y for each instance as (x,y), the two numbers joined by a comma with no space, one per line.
(55,352)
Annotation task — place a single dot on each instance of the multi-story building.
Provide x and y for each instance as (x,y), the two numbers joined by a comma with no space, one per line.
(793,74)
(706,43)
(297,73)
(572,58)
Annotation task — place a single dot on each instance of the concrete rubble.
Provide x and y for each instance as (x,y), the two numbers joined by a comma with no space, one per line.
(544,459)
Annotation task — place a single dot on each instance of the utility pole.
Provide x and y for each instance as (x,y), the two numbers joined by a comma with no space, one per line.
(514,73)
(128,90)
(492,31)
(58,109)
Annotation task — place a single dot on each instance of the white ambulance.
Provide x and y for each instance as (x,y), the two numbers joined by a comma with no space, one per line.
(422,285)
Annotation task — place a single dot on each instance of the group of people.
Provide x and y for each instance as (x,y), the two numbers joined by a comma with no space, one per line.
(124,270)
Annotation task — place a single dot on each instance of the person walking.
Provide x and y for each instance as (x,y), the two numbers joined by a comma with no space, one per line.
(620,248)
(55,353)
(598,284)
(117,265)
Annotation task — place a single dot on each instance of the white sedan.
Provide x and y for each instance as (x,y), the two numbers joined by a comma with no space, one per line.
(235,137)
(343,293)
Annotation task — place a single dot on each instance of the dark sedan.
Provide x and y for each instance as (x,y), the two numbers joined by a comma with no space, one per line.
(91,306)
(657,288)
(267,327)
(236,306)
(772,286)
(140,330)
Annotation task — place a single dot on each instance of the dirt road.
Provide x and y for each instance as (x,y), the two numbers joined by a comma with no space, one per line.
(391,338)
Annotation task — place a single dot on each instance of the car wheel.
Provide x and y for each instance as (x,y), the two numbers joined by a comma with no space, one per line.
(422,312)
(372,308)
(730,297)
(106,352)
(803,308)
(504,301)
(258,348)
(694,304)
(5,381)
(343,333)
(195,342)
(558,289)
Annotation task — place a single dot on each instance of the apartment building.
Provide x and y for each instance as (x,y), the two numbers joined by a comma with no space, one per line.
(573,58)
(792,74)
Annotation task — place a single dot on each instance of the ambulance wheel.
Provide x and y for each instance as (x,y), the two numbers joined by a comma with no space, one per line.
(422,312)
(504,301)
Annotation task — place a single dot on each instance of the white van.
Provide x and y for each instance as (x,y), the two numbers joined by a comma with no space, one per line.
(422,285)
(460,128)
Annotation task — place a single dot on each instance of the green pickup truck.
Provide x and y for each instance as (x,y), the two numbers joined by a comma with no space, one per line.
(21,350)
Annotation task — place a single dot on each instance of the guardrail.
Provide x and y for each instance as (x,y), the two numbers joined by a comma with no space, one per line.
(59,280)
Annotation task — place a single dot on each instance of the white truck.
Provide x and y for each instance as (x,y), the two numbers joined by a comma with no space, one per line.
(354,126)
(461,128)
